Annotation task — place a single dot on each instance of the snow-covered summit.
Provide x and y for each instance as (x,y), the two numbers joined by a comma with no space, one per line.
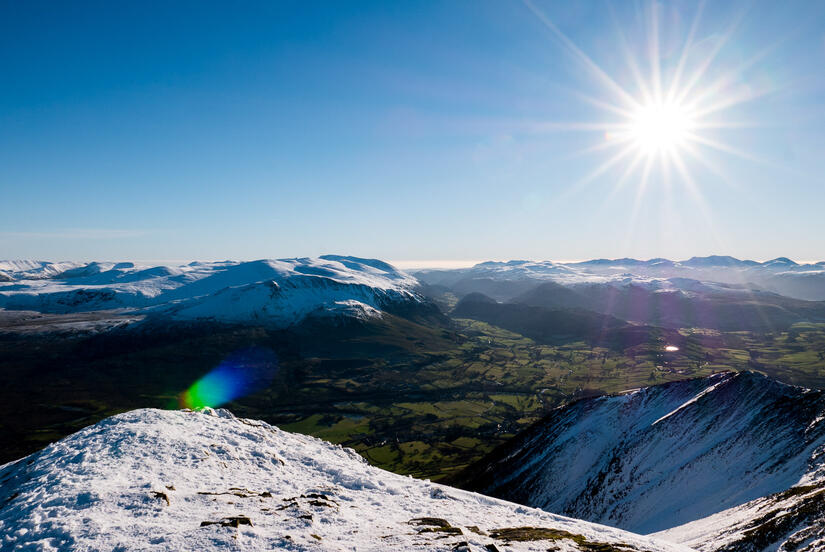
(35,270)
(281,292)
(178,480)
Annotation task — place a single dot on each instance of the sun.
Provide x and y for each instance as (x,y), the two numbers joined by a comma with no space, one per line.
(660,127)
(668,114)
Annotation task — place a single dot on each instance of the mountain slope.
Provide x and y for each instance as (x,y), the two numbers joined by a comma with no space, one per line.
(278,292)
(696,304)
(552,295)
(790,521)
(663,456)
(176,480)
(558,326)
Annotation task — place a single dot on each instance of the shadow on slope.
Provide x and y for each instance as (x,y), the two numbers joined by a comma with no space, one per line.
(661,456)
(555,326)
(696,306)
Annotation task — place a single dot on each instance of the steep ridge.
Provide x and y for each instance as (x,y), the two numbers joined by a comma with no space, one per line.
(182,480)
(663,456)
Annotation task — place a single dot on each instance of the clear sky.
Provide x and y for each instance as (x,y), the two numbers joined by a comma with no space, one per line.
(437,131)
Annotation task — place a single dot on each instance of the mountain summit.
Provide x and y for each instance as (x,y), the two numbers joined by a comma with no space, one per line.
(182,480)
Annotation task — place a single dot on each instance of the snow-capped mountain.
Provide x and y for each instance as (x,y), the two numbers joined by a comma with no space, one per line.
(279,292)
(182,480)
(781,275)
(35,270)
(725,455)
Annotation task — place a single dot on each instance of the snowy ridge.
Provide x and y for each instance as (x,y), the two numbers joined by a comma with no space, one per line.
(790,521)
(35,270)
(178,480)
(280,292)
(665,455)
(691,400)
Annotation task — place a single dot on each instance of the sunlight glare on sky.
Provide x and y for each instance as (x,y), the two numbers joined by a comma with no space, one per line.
(438,132)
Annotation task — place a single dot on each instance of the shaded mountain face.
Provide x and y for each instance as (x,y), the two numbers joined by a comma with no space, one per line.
(180,480)
(554,296)
(558,326)
(501,290)
(698,305)
(663,456)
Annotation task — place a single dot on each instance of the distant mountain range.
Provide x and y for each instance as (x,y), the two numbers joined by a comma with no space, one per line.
(714,292)
(728,462)
(272,292)
(720,293)
(175,480)
(781,275)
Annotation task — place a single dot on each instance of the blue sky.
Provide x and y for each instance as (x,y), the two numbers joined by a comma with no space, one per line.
(404,131)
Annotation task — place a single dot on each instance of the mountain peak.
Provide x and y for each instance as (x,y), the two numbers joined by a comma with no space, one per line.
(183,480)
(713,260)
(780,261)
(721,441)
(476,297)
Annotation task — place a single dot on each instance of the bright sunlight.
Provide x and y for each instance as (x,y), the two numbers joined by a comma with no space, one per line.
(661,123)
(660,127)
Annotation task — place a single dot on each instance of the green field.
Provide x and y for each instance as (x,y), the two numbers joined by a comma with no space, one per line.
(412,398)
(494,383)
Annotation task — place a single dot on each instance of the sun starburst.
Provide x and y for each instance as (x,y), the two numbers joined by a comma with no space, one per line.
(663,124)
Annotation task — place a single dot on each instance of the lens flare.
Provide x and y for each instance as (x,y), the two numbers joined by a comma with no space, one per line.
(240,374)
